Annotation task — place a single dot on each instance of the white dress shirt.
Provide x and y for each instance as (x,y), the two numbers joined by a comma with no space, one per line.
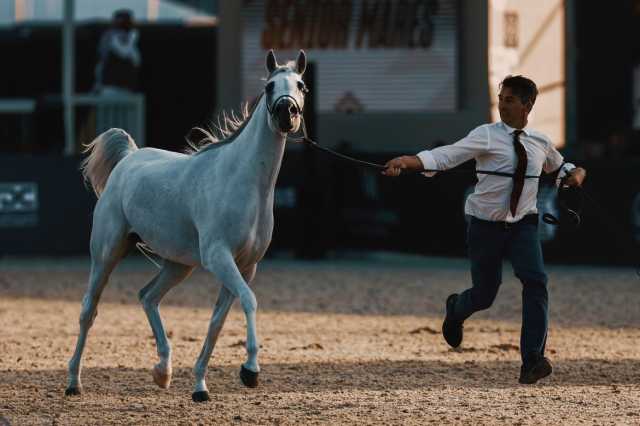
(492,147)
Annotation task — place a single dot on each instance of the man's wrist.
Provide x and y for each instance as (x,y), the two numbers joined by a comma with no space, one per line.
(417,163)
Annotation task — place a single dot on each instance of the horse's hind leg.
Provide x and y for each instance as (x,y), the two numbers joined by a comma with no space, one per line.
(108,245)
(170,275)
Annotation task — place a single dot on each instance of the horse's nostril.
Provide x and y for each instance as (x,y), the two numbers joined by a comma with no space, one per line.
(293,110)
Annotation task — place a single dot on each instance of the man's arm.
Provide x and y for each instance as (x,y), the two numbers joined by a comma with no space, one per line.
(567,172)
(444,157)
(410,163)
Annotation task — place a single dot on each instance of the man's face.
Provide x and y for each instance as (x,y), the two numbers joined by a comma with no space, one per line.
(512,110)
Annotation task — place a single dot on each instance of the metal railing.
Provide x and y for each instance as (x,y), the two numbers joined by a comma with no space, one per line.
(126,111)
(123,110)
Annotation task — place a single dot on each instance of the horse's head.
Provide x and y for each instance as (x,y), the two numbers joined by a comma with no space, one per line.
(284,93)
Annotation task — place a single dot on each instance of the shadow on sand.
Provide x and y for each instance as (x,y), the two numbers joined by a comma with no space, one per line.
(336,377)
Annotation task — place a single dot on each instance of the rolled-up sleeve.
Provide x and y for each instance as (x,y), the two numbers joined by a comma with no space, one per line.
(428,162)
(446,157)
(555,162)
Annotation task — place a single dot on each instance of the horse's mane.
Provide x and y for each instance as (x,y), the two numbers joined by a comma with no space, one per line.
(229,125)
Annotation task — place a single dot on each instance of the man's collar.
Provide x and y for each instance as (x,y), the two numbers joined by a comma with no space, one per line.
(510,129)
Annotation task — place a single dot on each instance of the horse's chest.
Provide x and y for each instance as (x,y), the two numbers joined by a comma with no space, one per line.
(256,236)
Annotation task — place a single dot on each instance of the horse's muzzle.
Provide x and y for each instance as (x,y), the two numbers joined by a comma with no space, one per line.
(285,112)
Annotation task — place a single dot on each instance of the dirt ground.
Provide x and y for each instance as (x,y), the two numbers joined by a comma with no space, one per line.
(344,341)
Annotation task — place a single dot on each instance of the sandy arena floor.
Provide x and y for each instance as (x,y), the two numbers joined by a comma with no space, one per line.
(343,341)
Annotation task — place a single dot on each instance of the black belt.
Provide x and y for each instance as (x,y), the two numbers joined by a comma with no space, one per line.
(530,219)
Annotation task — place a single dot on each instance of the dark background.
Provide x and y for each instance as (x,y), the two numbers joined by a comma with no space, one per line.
(177,71)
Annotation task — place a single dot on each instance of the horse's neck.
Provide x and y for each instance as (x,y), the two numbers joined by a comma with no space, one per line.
(257,153)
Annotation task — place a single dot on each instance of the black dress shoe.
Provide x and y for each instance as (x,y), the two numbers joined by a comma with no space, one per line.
(536,371)
(451,328)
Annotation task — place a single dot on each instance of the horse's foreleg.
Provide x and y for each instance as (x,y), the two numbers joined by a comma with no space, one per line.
(225,300)
(150,296)
(249,375)
(224,267)
(103,260)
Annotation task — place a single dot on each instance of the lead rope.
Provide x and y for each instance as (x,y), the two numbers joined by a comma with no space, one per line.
(305,138)
(376,166)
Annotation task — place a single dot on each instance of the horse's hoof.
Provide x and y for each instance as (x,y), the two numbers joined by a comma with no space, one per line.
(162,379)
(248,377)
(200,396)
(73,391)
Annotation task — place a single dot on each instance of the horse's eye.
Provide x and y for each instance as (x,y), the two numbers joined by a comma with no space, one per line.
(269,87)
(302,87)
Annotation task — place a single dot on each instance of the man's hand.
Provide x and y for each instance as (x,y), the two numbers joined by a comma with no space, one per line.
(575,177)
(406,162)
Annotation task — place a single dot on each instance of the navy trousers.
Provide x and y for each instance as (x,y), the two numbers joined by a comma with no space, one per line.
(489,244)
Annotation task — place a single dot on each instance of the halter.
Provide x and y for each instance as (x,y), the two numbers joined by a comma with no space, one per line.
(278,99)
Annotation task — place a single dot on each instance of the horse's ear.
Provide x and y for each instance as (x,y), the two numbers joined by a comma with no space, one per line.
(272,64)
(301,62)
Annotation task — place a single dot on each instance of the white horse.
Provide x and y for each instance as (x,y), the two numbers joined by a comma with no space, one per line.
(213,208)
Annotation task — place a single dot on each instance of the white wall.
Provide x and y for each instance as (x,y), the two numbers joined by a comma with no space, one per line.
(539,55)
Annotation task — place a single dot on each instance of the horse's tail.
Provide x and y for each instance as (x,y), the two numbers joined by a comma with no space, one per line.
(105,152)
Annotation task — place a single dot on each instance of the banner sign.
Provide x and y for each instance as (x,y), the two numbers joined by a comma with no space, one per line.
(370,55)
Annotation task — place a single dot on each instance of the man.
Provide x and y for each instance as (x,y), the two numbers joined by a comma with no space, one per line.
(503,216)
(118,56)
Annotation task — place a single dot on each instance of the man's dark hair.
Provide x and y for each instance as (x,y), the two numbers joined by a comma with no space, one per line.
(522,87)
